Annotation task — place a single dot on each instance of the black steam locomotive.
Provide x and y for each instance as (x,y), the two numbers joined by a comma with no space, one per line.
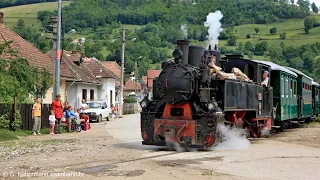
(188,103)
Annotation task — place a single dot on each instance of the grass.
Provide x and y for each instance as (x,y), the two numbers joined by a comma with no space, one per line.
(294,29)
(28,13)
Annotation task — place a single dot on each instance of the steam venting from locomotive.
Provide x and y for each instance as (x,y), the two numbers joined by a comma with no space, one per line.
(213,22)
(184,29)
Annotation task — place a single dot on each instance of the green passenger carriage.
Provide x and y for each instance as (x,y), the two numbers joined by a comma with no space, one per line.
(304,90)
(284,83)
(315,98)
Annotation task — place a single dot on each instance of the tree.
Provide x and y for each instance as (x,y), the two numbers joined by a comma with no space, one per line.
(314,8)
(250,55)
(19,79)
(248,47)
(275,53)
(292,1)
(248,36)
(240,47)
(308,23)
(256,30)
(283,35)
(273,30)
(282,45)
(232,40)
(261,48)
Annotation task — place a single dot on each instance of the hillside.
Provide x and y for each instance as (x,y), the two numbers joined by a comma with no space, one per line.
(294,29)
(28,13)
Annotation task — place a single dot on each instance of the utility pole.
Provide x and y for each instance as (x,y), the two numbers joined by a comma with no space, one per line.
(54,22)
(58,53)
(122,69)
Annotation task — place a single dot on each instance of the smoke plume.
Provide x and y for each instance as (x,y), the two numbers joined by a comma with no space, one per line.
(232,138)
(213,22)
(184,29)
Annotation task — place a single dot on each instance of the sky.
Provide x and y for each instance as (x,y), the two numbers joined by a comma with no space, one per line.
(316,1)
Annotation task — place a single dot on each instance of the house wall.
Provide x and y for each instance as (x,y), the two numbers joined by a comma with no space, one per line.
(49,95)
(75,93)
(108,85)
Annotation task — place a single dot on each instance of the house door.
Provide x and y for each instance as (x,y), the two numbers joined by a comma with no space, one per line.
(111,95)
(84,94)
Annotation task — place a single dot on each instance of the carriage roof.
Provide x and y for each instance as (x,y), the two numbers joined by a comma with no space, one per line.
(277,67)
(299,72)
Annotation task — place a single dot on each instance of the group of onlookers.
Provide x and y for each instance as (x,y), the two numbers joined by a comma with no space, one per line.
(57,114)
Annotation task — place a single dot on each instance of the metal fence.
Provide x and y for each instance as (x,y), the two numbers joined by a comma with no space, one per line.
(26,114)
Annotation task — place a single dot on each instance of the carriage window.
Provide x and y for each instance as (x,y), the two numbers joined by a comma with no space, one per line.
(291,87)
(282,87)
(295,88)
(287,88)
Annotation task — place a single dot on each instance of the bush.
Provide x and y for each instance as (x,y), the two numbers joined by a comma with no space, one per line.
(17,123)
(248,36)
(4,122)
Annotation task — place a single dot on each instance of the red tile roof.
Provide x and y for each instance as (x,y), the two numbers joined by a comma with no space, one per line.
(113,66)
(98,69)
(132,85)
(151,75)
(27,51)
(80,72)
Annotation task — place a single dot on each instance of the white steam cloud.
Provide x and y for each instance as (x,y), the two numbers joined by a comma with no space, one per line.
(232,138)
(184,29)
(213,22)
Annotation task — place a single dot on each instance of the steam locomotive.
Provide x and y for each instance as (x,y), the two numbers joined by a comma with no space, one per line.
(188,103)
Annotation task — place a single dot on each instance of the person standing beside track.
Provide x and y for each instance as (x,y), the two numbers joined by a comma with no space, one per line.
(58,111)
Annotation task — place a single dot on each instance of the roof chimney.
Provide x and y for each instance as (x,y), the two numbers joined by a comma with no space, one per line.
(1,18)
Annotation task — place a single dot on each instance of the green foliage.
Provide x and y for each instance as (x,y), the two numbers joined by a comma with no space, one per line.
(33,36)
(273,30)
(256,30)
(309,23)
(248,36)
(19,79)
(248,47)
(17,122)
(261,48)
(4,122)
(9,3)
(283,35)
(6,135)
(131,99)
(314,8)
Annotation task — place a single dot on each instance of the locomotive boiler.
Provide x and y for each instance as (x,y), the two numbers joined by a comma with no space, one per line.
(183,109)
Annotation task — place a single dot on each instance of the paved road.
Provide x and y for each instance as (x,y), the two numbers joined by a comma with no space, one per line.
(262,159)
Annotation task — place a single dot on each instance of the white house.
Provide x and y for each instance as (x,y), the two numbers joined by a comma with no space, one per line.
(92,81)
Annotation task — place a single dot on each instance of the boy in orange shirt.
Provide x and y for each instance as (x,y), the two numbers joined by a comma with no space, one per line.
(36,116)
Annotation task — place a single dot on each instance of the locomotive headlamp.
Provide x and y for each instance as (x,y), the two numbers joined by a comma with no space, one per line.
(143,104)
(210,106)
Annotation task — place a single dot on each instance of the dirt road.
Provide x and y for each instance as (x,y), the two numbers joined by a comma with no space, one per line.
(113,150)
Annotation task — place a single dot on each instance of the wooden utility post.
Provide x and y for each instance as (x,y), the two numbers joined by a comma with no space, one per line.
(122,70)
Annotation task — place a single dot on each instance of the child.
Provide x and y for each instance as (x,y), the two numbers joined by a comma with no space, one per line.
(68,117)
(52,120)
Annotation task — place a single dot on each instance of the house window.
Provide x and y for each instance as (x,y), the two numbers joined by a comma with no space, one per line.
(91,94)
(282,87)
(111,95)
(84,94)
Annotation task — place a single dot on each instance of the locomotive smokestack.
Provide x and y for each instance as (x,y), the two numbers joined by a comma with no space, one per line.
(183,45)
(209,46)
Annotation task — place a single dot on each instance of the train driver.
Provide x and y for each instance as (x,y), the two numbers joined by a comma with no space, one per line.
(265,78)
